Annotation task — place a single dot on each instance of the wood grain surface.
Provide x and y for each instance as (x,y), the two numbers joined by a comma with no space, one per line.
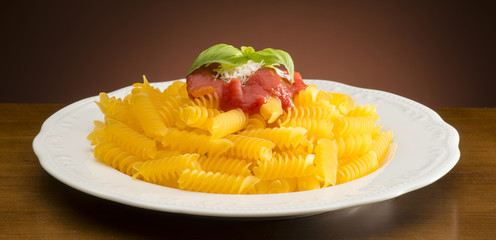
(34,205)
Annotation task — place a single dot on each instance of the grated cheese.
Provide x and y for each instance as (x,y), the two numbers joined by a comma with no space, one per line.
(242,72)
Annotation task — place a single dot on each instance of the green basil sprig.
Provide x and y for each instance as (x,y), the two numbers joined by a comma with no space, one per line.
(231,57)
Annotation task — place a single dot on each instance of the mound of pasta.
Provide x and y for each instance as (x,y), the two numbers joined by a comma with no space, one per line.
(169,138)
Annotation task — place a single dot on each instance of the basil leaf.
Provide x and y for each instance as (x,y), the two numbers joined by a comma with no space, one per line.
(225,54)
(272,57)
(231,57)
(247,51)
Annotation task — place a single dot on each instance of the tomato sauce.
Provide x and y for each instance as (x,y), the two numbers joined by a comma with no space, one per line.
(249,96)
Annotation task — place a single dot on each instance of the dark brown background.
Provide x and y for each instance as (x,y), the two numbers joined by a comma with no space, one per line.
(438,53)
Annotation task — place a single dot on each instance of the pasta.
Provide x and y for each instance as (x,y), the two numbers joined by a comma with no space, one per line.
(144,109)
(169,109)
(283,136)
(326,161)
(98,132)
(366,110)
(285,165)
(308,183)
(312,96)
(381,143)
(162,170)
(353,125)
(225,164)
(344,103)
(251,147)
(326,113)
(357,167)
(119,110)
(353,144)
(197,116)
(192,142)
(208,101)
(283,185)
(201,181)
(318,128)
(226,123)
(255,121)
(157,104)
(169,138)
(116,157)
(177,88)
(271,110)
(130,140)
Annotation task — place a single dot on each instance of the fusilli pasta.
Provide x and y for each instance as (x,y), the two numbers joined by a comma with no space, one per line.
(172,139)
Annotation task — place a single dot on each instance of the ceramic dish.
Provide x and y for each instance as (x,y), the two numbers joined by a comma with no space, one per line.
(426,148)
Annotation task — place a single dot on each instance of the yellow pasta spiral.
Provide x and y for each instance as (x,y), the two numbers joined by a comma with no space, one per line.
(283,185)
(166,152)
(326,161)
(366,110)
(193,142)
(116,157)
(353,125)
(255,121)
(305,147)
(145,87)
(309,111)
(97,133)
(177,88)
(209,182)
(285,165)
(225,164)
(134,142)
(343,102)
(227,122)
(307,183)
(165,105)
(271,110)
(318,128)
(353,144)
(197,116)
(146,113)
(161,171)
(119,110)
(357,167)
(311,96)
(169,108)
(208,101)
(250,147)
(382,141)
(283,136)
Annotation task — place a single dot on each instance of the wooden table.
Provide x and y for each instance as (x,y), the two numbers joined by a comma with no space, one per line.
(34,205)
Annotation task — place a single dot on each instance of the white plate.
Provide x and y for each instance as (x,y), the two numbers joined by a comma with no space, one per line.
(427,148)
